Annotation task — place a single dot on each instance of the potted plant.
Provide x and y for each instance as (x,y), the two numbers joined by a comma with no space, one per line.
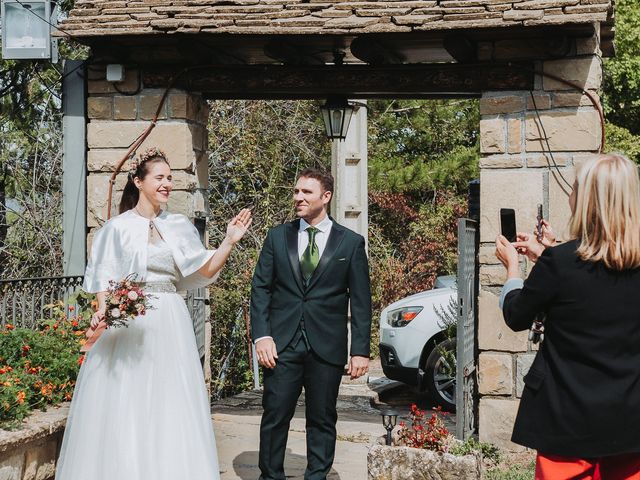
(424,449)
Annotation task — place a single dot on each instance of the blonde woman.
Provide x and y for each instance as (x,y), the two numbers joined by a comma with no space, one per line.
(580,408)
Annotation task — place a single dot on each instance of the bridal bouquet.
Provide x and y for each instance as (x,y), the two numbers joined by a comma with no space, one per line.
(125,301)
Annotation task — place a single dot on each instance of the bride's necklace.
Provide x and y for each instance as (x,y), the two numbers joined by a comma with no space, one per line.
(151,225)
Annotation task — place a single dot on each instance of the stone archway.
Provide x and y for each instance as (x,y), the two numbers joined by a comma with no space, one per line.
(504,50)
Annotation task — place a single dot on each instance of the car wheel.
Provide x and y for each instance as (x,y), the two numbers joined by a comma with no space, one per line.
(440,374)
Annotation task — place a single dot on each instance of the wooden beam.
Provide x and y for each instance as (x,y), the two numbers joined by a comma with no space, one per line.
(354,81)
(377,52)
(290,53)
(461,47)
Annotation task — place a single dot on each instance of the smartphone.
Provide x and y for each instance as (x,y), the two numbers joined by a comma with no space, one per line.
(508,223)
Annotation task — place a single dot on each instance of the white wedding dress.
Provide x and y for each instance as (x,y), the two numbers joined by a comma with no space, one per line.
(140,409)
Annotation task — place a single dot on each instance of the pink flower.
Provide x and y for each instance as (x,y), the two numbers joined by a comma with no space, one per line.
(132,295)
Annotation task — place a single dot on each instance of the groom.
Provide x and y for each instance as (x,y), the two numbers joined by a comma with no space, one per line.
(307,273)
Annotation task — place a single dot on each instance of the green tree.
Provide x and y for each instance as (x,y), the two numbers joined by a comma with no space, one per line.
(30,164)
(420,147)
(619,139)
(621,86)
(30,169)
(622,73)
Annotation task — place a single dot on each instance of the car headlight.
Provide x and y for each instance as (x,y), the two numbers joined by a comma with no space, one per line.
(401,317)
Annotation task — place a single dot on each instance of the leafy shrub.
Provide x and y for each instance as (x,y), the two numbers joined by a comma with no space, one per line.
(470,446)
(39,367)
(428,433)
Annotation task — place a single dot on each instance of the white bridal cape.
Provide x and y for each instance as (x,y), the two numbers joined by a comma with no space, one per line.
(140,408)
(120,248)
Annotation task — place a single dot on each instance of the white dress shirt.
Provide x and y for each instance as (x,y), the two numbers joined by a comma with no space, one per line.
(324,229)
(322,235)
(509,286)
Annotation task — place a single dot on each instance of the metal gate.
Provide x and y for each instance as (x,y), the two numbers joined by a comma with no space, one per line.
(466,331)
(196,299)
(196,303)
(23,301)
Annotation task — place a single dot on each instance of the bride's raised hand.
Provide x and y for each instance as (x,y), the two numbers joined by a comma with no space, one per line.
(239,225)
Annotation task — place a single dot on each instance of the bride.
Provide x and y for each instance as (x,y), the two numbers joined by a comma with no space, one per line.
(140,408)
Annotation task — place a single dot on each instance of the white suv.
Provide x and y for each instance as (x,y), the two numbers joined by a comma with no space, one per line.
(410,330)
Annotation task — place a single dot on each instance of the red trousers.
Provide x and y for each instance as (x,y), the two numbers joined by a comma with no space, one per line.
(617,467)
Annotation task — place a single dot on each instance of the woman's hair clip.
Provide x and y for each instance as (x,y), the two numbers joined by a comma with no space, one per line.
(150,153)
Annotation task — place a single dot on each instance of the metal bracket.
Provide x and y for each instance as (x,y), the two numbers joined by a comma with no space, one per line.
(206,301)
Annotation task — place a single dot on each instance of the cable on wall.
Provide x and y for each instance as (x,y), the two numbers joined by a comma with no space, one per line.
(594,102)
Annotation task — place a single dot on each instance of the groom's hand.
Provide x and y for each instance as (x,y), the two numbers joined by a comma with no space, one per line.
(358,366)
(267,352)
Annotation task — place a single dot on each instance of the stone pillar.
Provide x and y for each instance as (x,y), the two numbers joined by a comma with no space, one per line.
(349,162)
(517,172)
(118,114)
(116,120)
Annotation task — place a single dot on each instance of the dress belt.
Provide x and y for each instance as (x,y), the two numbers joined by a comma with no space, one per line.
(159,287)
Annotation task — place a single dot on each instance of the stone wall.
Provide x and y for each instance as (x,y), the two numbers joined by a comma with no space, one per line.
(117,117)
(31,452)
(517,172)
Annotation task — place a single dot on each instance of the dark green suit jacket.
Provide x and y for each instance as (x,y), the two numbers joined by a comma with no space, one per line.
(280,299)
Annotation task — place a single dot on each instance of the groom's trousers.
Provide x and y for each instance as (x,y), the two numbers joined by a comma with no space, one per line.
(297,367)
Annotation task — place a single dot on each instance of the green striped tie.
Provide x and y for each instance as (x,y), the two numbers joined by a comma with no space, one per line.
(311,256)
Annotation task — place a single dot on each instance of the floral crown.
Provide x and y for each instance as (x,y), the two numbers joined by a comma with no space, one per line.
(149,153)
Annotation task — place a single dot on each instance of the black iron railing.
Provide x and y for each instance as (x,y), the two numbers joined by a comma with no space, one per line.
(23,301)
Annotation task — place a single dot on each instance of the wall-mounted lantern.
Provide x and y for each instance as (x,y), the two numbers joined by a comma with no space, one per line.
(337,112)
(26,30)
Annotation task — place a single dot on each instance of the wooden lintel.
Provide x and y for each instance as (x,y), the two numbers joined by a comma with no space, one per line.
(355,81)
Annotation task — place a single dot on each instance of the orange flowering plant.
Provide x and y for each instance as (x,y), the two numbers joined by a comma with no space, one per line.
(39,367)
